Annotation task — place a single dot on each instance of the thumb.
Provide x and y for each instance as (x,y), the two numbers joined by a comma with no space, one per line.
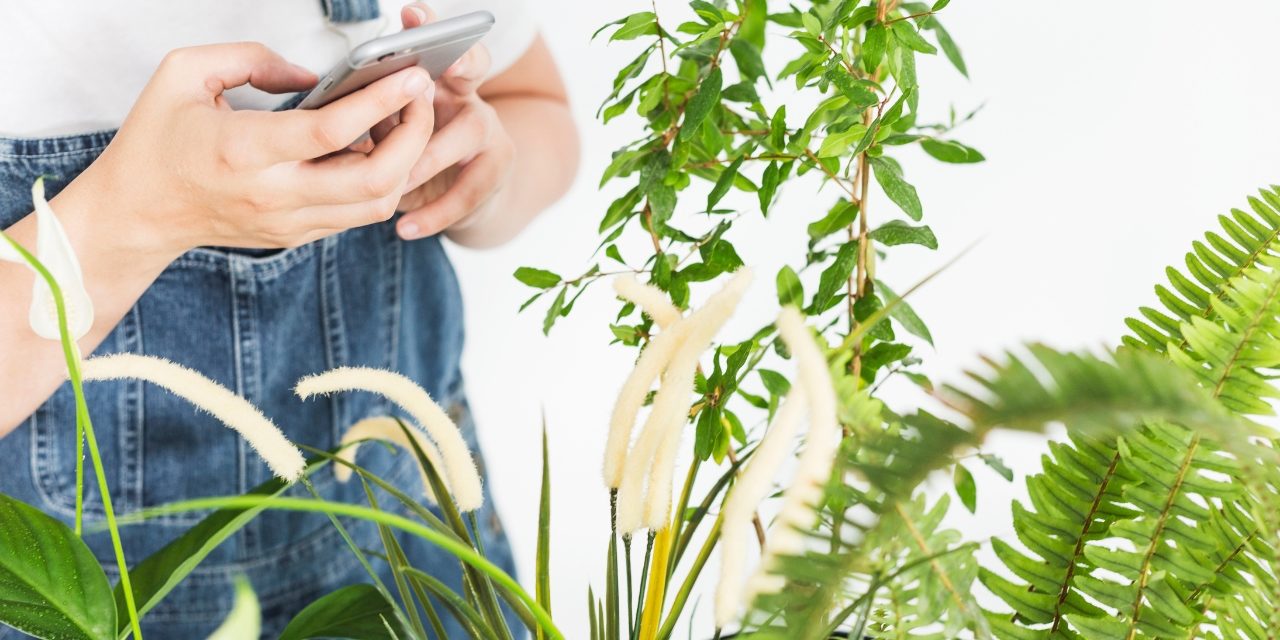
(224,66)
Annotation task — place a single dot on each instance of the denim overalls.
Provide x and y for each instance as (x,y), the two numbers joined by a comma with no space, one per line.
(254,321)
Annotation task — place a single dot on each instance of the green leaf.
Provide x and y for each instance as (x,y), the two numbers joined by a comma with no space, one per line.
(834,277)
(837,143)
(841,215)
(537,278)
(997,464)
(543,559)
(747,56)
(951,151)
(907,35)
(245,618)
(51,586)
(790,291)
(776,383)
(554,311)
(896,232)
(778,128)
(636,25)
(355,611)
(769,181)
(904,314)
(949,48)
(889,176)
(701,104)
(724,182)
(874,46)
(811,24)
(966,488)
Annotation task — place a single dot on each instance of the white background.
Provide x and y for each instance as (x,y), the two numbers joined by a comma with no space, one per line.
(1115,134)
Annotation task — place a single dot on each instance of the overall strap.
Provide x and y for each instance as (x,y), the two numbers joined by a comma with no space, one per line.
(341,11)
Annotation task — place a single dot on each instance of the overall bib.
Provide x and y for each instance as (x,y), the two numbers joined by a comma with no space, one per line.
(255,322)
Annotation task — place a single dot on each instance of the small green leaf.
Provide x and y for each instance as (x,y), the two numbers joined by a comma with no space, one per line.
(837,144)
(776,383)
(750,65)
(907,35)
(873,47)
(537,278)
(951,151)
(790,291)
(724,182)
(701,104)
(839,217)
(997,464)
(553,312)
(889,176)
(811,24)
(778,128)
(966,488)
(833,278)
(949,48)
(904,314)
(636,25)
(769,181)
(896,232)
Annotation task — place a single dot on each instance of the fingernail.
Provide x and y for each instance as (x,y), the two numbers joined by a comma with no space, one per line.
(417,82)
(422,15)
(408,230)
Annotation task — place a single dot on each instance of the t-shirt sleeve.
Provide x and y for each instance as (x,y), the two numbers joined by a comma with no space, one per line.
(513,30)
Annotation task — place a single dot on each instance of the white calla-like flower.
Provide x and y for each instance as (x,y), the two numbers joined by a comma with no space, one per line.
(54,252)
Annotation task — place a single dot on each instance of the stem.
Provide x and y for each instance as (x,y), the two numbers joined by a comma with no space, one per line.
(677,604)
(644,580)
(450,544)
(71,352)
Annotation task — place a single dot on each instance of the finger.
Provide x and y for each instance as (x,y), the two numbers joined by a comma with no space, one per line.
(306,134)
(222,66)
(380,130)
(475,185)
(460,140)
(416,14)
(313,223)
(468,73)
(351,178)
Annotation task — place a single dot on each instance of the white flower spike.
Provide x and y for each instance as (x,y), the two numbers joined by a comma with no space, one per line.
(285,460)
(459,467)
(814,468)
(388,429)
(653,455)
(54,251)
(650,299)
(752,486)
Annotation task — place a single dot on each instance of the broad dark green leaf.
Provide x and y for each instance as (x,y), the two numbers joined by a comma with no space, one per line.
(357,611)
(51,586)
(951,151)
(889,176)
(702,102)
(537,278)
(896,232)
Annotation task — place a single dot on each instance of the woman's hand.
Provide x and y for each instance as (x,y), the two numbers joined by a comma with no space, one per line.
(453,184)
(186,170)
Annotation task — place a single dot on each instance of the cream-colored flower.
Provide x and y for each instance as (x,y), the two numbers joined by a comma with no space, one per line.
(650,299)
(800,500)
(648,367)
(653,455)
(54,251)
(285,460)
(460,472)
(388,429)
(752,486)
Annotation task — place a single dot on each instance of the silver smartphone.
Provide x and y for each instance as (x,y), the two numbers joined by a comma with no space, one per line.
(434,47)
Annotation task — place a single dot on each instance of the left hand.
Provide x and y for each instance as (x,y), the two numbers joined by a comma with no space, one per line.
(470,155)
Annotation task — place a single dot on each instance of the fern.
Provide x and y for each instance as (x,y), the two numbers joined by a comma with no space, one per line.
(881,472)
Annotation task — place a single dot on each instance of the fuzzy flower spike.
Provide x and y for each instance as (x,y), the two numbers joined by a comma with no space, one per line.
(54,251)
(459,468)
(285,460)
(648,367)
(653,455)
(387,429)
(798,512)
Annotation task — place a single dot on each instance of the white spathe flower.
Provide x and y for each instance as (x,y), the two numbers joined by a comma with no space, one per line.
(460,472)
(284,459)
(388,429)
(54,251)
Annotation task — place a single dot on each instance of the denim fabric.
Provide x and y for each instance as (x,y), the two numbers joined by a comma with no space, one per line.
(254,321)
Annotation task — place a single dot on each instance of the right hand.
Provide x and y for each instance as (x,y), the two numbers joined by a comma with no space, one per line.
(186,170)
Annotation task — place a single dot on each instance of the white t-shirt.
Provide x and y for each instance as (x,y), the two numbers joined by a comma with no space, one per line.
(69,68)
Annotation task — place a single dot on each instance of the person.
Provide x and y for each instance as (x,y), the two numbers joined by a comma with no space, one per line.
(255,246)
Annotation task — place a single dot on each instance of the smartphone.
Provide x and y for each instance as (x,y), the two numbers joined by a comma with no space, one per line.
(434,47)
